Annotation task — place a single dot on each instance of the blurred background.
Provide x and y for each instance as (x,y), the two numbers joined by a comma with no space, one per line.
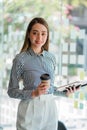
(67,21)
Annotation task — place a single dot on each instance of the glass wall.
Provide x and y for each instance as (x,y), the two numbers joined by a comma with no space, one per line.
(68,36)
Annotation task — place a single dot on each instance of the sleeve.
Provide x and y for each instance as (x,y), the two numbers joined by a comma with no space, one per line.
(56,92)
(14,90)
(59,93)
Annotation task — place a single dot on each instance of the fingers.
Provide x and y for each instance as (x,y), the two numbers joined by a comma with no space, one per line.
(42,89)
(74,88)
(71,89)
(45,84)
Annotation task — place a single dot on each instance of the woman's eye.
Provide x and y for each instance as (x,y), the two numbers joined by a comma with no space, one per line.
(43,34)
(34,33)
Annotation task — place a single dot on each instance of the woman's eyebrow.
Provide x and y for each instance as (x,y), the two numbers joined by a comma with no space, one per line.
(37,31)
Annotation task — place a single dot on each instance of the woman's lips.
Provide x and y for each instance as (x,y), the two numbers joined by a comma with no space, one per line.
(38,42)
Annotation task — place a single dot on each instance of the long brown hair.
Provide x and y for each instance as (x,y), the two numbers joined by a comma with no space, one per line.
(27,43)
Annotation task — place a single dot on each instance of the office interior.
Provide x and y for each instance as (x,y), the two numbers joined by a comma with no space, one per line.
(67,21)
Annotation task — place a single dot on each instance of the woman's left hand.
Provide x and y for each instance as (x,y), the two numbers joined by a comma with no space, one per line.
(71,90)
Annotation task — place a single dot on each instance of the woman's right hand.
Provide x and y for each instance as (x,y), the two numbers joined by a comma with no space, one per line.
(41,89)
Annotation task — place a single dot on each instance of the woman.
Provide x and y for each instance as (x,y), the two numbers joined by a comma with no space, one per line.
(37,108)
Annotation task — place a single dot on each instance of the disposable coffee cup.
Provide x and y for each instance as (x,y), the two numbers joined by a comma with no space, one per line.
(45,77)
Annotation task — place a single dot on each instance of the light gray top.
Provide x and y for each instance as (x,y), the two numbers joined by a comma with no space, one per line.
(29,66)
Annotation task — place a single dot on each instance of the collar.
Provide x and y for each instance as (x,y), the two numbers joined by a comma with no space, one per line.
(32,53)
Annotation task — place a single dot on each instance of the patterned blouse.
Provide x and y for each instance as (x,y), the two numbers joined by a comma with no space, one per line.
(28,67)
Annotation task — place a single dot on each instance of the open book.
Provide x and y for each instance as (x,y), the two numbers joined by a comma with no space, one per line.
(77,84)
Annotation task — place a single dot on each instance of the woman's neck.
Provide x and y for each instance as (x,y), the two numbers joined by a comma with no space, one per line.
(37,50)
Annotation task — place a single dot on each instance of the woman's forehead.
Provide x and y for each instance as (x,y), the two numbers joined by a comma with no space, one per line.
(39,26)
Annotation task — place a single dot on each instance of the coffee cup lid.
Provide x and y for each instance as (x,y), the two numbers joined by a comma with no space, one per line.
(45,76)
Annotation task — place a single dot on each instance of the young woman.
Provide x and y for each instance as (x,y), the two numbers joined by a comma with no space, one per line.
(37,108)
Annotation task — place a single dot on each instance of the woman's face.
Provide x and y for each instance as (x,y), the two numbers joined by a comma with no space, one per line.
(38,35)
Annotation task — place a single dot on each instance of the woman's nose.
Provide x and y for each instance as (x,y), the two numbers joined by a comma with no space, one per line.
(39,36)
